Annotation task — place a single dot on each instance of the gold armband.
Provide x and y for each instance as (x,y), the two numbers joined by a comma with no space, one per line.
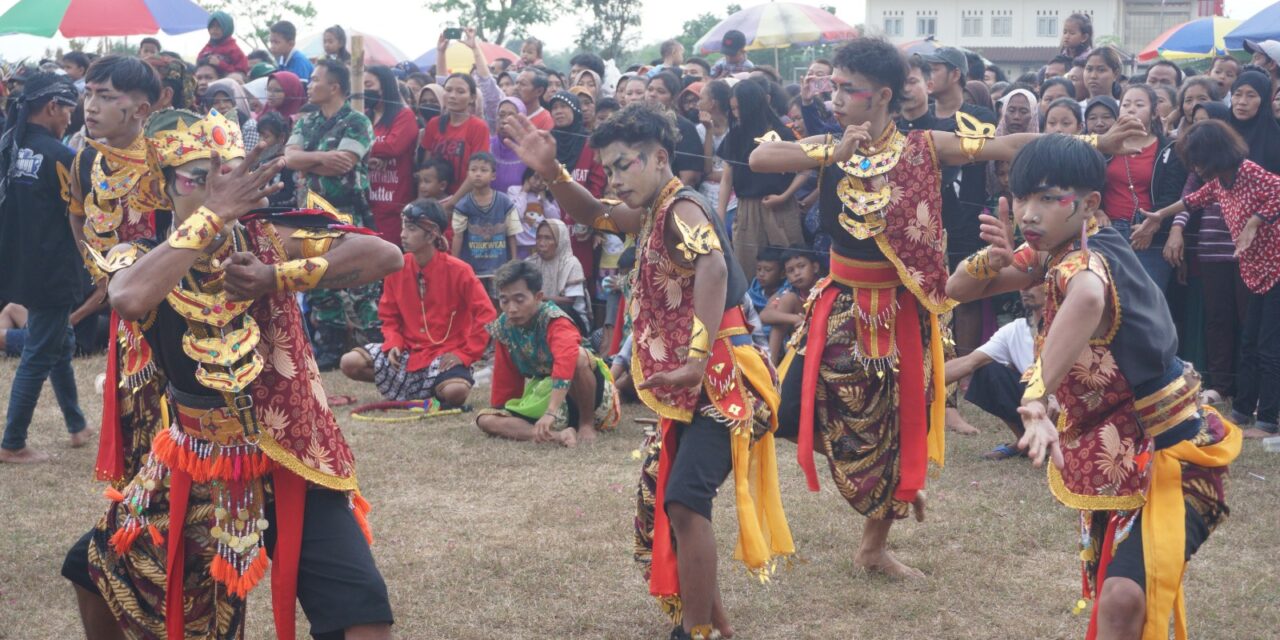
(699,340)
(973,134)
(197,231)
(769,136)
(1036,391)
(698,240)
(820,153)
(1090,139)
(563,177)
(978,266)
(114,261)
(300,275)
(315,242)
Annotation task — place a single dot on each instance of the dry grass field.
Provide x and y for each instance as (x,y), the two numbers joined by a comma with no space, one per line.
(484,539)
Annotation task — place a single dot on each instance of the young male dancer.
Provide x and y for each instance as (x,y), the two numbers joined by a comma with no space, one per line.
(1130,447)
(865,376)
(694,364)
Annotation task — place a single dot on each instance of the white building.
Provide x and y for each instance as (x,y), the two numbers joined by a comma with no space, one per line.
(1022,35)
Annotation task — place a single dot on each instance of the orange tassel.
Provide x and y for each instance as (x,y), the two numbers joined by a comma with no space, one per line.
(361,512)
(113,494)
(155,535)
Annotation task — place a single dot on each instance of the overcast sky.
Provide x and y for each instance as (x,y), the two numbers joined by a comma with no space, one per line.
(412,28)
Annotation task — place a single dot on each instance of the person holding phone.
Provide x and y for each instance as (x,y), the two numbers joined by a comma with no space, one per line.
(814,92)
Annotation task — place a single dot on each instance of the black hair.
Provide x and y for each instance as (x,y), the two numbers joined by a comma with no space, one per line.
(421,77)
(528,173)
(1000,76)
(534,42)
(126,74)
(261,54)
(77,58)
(516,271)
(204,62)
(823,61)
(1062,59)
(1153,125)
(274,123)
(428,210)
(1111,57)
(485,157)
(539,77)
(918,62)
(1058,80)
(1212,147)
(1028,80)
(701,62)
(779,99)
(879,60)
(977,68)
(1204,82)
(798,251)
(336,72)
(671,82)
(756,116)
(286,30)
(465,77)
(722,96)
(588,60)
(341,34)
(607,104)
(390,88)
(1085,24)
(638,124)
(149,40)
(1056,160)
(444,170)
(1165,63)
(668,47)
(769,253)
(1224,58)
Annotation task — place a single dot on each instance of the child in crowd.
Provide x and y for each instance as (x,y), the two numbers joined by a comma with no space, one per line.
(1063,116)
(534,204)
(433,178)
(785,310)
(771,280)
(485,222)
(549,387)
(273,132)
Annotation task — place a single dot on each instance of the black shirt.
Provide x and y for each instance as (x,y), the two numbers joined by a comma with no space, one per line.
(964,192)
(39,261)
(688,148)
(830,208)
(736,149)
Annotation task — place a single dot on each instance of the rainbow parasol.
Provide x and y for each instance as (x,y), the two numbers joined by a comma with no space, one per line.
(99,18)
(1199,38)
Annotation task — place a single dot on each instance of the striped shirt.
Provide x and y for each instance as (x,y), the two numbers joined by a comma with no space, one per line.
(1213,243)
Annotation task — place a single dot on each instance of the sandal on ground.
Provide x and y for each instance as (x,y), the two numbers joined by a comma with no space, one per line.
(341,400)
(1004,452)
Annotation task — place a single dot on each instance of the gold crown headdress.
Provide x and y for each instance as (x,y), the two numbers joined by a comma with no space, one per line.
(197,141)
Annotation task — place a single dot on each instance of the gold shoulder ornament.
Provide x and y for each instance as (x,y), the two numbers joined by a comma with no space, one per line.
(696,240)
(973,134)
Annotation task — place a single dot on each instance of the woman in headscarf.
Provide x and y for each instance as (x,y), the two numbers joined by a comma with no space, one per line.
(977,93)
(579,158)
(395,138)
(1251,118)
(589,79)
(1019,113)
(563,280)
(285,94)
(430,102)
(229,98)
(222,50)
(510,167)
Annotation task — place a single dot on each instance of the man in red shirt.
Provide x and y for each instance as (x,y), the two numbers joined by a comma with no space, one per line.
(433,312)
(535,339)
(531,86)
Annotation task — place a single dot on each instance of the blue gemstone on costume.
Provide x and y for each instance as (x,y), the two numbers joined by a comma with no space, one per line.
(866,163)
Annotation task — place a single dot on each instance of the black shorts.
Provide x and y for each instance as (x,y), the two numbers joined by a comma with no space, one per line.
(1129,559)
(572,406)
(339,585)
(703,460)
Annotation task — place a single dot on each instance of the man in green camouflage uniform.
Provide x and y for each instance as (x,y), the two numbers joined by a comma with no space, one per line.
(328,149)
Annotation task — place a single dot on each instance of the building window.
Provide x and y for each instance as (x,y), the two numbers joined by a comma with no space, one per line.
(893,27)
(926,27)
(1047,27)
(971,27)
(1002,26)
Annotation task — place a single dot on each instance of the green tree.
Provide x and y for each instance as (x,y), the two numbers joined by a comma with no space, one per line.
(496,20)
(694,29)
(255,17)
(607,34)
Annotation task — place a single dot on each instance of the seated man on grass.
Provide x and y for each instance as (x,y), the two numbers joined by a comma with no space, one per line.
(997,367)
(433,314)
(544,380)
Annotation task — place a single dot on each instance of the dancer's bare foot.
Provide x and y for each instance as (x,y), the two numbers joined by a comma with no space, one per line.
(917,506)
(81,438)
(566,438)
(25,455)
(586,434)
(720,620)
(956,422)
(884,562)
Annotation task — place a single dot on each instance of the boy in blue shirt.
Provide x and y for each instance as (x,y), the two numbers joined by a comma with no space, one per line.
(485,221)
(281,43)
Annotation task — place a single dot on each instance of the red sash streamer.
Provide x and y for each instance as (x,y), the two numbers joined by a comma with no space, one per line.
(291,501)
(913,409)
(174,612)
(809,383)
(620,321)
(1107,542)
(110,463)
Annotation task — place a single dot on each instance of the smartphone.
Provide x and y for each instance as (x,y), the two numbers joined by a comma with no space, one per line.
(453,33)
(821,84)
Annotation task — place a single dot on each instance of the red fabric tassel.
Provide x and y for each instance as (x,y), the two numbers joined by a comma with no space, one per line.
(664,575)
(913,408)
(361,512)
(113,494)
(615,341)
(1107,542)
(110,463)
(291,500)
(174,613)
(817,343)
(156,538)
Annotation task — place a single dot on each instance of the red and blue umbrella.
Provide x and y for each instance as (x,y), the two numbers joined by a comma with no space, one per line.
(778,25)
(1199,38)
(99,18)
